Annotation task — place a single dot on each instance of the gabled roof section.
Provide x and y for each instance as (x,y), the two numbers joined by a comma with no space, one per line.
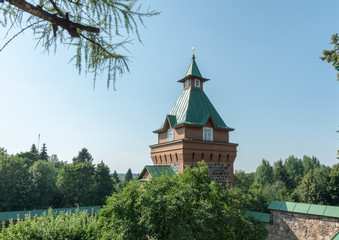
(172,121)
(193,69)
(194,108)
(158,171)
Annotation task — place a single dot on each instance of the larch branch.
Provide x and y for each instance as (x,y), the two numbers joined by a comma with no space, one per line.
(65,23)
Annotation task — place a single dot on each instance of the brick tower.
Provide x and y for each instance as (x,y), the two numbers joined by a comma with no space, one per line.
(194,131)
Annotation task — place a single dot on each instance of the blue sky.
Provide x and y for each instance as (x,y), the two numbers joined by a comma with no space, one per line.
(262,57)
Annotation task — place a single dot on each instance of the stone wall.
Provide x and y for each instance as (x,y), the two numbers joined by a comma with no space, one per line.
(290,226)
(219,172)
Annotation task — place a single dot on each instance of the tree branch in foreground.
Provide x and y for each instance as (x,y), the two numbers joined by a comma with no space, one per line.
(65,23)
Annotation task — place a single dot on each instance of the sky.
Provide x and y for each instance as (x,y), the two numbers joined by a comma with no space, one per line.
(266,81)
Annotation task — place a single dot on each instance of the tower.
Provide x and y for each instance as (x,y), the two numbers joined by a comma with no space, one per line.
(194,131)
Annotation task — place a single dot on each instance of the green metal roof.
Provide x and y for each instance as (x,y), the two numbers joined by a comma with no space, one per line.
(314,209)
(193,108)
(160,170)
(263,217)
(336,237)
(193,69)
(6,216)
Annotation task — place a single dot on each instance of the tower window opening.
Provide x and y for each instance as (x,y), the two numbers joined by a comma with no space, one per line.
(187,83)
(211,156)
(202,156)
(170,134)
(196,83)
(207,134)
(193,156)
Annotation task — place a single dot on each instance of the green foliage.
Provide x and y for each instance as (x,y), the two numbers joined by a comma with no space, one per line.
(79,225)
(331,56)
(115,177)
(295,170)
(34,149)
(243,180)
(29,157)
(96,30)
(76,182)
(103,184)
(44,176)
(83,156)
(129,175)
(43,153)
(189,206)
(264,173)
(15,184)
(308,188)
(310,163)
(333,185)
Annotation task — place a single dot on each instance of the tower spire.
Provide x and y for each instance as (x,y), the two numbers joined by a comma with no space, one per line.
(193,68)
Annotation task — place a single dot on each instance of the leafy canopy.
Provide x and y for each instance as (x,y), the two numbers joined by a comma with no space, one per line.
(97,30)
(188,206)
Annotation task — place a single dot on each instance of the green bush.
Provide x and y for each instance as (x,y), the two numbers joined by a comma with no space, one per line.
(189,206)
(78,225)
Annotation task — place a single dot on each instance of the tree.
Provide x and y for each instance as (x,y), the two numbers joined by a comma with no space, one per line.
(44,176)
(294,168)
(189,206)
(243,180)
(333,185)
(115,177)
(76,182)
(29,157)
(83,156)
(15,184)
(103,184)
(43,153)
(310,163)
(264,173)
(308,188)
(129,175)
(331,56)
(54,158)
(280,173)
(96,30)
(34,149)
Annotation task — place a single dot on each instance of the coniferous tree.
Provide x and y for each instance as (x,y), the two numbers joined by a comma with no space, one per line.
(83,156)
(43,153)
(34,149)
(129,175)
(115,177)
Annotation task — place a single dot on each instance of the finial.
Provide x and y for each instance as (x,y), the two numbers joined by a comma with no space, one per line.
(193,52)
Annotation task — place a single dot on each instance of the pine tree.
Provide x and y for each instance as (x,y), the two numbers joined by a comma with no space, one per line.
(34,149)
(115,177)
(129,175)
(43,153)
(83,156)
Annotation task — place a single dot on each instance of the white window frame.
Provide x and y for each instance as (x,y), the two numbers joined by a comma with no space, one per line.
(207,134)
(187,83)
(196,83)
(170,134)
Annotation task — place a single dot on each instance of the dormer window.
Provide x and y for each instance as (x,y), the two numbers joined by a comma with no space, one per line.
(197,83)
(187,83)
(170,134)
(207,134)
